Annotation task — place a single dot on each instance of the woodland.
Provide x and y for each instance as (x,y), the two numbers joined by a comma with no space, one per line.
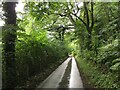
(35,42)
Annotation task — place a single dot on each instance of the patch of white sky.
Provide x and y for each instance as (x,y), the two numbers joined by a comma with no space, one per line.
(78,4)
(1,21)
(19,8)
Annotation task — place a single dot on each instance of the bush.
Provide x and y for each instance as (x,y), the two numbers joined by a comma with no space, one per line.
(97,77)
(34,54)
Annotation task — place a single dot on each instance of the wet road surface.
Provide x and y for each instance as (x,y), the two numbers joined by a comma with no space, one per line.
(65,76)
(75,79)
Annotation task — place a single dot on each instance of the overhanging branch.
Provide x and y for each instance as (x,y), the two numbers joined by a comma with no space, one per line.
(92,17)
(80,19)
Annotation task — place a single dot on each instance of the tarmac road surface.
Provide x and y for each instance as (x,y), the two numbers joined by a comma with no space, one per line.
(54,79)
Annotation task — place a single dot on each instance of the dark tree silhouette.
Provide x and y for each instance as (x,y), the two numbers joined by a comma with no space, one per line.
(9,44)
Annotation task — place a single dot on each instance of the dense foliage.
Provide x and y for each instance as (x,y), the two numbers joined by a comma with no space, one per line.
(35,50)
(48,31)
(104,57)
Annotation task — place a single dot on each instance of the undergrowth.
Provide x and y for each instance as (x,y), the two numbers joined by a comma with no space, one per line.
(98,78)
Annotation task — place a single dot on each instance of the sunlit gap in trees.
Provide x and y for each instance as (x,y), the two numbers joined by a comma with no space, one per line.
(19,9)
(1,21)
(78,4)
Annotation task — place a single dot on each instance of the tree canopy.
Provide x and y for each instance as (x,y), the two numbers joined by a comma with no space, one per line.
(45,34)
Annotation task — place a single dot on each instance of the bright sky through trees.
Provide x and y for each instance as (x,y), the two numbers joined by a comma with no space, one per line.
(19,8)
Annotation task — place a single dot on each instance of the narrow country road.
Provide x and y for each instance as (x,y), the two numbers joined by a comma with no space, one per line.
(65,76)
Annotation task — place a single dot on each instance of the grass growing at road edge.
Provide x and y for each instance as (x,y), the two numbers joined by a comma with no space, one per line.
(96,77)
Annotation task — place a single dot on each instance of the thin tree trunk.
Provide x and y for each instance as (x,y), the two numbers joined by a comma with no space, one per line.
(89,42)
(119,39)
(88,27)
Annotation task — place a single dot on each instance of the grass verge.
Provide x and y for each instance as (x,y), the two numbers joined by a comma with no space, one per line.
(96,77)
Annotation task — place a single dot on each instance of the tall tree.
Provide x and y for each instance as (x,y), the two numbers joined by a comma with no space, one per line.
(88,22)
(9,43)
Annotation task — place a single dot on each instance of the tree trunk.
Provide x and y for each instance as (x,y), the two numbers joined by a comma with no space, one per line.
(118,27)
(89,42)
(9,44)
(119,39)
(88,26)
